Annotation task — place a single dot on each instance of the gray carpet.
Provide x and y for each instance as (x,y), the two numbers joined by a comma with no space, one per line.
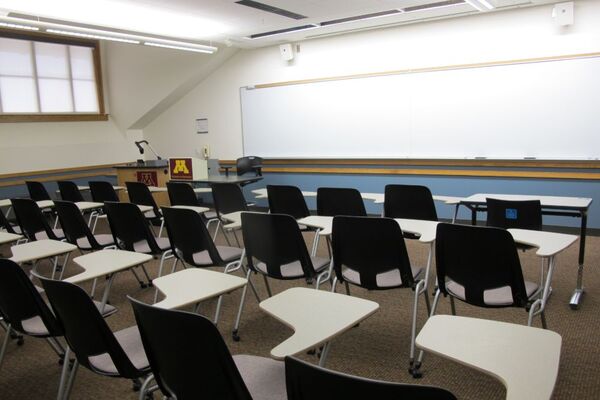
(378,348)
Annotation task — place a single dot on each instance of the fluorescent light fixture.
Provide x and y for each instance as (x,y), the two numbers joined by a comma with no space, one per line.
(19,26)
(92,36)
(207,49)
(361,17)
(282,31)
(480,5)
(436,5)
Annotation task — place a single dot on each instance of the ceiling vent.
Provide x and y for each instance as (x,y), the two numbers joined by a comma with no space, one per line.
(270,9)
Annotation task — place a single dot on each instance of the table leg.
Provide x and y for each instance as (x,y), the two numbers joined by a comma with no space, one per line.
(455,212)
(474,215)
(577,296)
(106,292)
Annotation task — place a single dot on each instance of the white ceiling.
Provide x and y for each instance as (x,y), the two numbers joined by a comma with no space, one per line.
(225,22)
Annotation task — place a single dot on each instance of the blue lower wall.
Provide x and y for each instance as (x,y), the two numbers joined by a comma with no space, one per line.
(442,185)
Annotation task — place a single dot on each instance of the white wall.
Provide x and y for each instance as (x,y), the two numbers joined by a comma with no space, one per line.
(513,34)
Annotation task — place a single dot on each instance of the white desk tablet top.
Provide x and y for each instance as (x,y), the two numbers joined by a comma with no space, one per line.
(525,359)
(197,209)
(144,209)
(548,201)
(316,316)
(547,243)
(235,218)
(192,285)
(88,205)
(6,237)
(202,190)
(45,204)
(39,249)
(157,189)
(106,262)
(426,229)
(5,203)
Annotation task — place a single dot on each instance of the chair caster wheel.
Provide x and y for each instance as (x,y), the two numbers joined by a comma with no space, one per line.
(143,285)
(235,336)
(20,341)
(150,284)
(415,370)
(136,386)
(61,360)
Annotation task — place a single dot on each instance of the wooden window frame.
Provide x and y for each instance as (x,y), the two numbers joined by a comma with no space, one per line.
(60,117)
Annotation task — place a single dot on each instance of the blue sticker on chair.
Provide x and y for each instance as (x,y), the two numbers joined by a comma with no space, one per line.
(511,213)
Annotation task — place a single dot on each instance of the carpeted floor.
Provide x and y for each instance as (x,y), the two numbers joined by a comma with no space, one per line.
(378,348)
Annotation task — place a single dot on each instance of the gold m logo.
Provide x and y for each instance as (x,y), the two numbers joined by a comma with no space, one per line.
(180,167)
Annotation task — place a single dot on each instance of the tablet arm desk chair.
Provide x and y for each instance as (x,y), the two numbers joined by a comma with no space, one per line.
(245,165)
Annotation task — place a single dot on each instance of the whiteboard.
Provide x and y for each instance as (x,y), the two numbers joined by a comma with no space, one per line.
(546,110)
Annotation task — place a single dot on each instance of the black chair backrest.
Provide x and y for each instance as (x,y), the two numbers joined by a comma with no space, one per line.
(181,194)
(37,191)
(249,164)
(5,223)
(103,191)
(140,194)
(69,191)
(188,235)
(306,381)
(31,219)
(369,246)
(188,356)
(287,200)
(85,330)
(340,201)
(73,224)
(228,197)
(478,258)
(409,201)
(20,300)
(128,226)
(276,240)
(526,214)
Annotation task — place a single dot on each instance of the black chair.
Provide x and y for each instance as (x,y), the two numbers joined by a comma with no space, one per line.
(287,200)
(23,309)
(32,221)
(522,214)
(275,248)
(245,165)
(7,225)
(306,381)
(96,347)
(340,201)
(409,201)
(371,253)
(140,194)
(182,194)
(69,191)
(76,230)
(191,243)
(228,198)
(103,191)
(480,266)
(131,232)
(37,191)
(190,360)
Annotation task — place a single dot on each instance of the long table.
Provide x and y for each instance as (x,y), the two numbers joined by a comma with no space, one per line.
(551,205)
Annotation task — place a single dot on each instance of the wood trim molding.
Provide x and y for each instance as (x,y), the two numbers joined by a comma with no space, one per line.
(10,118)
(106,172)
(561,164)
(430,69)
(438,172)
(60,170)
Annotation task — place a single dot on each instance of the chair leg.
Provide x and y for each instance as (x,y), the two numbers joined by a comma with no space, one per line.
(347,287)
(217,230)
(137,278)
(416,373)
(146,274)
(174,267)
(160,268)
(56,346)
(64,266)
(427,302)
(144,388)
(334,284)
(543,317)
(452,305)
(414,368)
(5,343)
(69,387)
(267,285)
(63,375)
(162,225)
(234,334)
(218,310)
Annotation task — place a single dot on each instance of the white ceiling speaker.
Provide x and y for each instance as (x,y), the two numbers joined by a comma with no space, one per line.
(286,51)
(563,13)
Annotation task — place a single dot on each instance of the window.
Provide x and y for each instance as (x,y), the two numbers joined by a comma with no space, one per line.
(43,78)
